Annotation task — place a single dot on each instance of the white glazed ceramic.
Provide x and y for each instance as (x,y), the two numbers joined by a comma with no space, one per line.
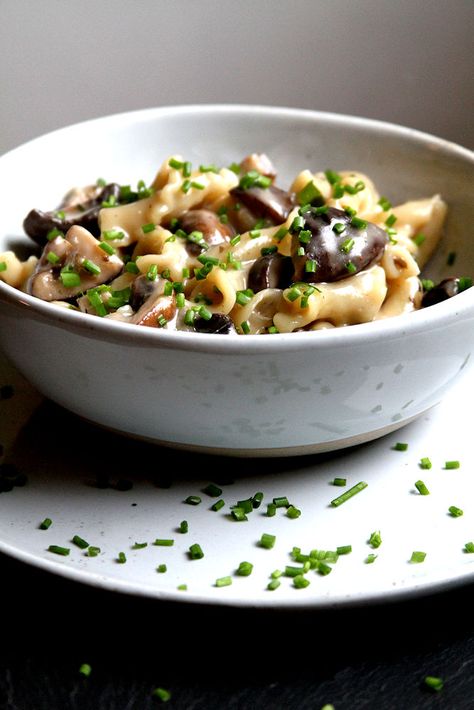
(285,394)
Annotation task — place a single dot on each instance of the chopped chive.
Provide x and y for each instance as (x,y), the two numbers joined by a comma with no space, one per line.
(434,683)
(332,177)
(132,268)
(85,669)
(182,587)
(273,330)
(239,514)
(339,482)
(338,227)
(91,267)
(51,257)
(469,547)
(280,233)
(344,549)
(246,505)
(212,490)
(274,584)
(176,164)
(351,268)
(347,245)
(271,510)
(189,317)
(47,522)
(64,551)
(223,581)
(93,551)
(354,189)
(197,185)
(417,556)
(245,325)
(370,559)
(139,545)
(195,552)
(3,266)
(358,223)
(162,568)
(293,293)
(243,297)
(108,248)
(208,168)
(375,539)
(121,558)
(152,272)
(464,282)
(348,494)
(180,300)
(193,500)
(337,190)
(204,259)
(183,526)
(255,234)
(304,237)
(187,169)
(80,542)
(425,463)
(257,499)
(266,251)
(385,204)
(70,279)
(163,542)
(235,240)
(291,571)
(451,465)
(205,313)
(455,512)
(391,219)
(421,488)
(293,512)
(311,266)
(162,693)
(111,234)
(217,505)
(323,569)
(244,569)
(146,228)
(400,446)
(276,574)
(418,239)
(281,502)
(300,582)
(267,541)
(186,186)
(309,194)
(168,290)
(53,233)
(298,224)
(161,321)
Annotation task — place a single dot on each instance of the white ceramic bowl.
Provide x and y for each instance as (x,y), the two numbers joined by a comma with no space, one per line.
(252,395)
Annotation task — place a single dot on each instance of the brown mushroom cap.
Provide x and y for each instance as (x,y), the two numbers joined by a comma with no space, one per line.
(208,223)
(71,252)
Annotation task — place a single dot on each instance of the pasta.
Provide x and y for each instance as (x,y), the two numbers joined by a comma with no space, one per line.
(227,251)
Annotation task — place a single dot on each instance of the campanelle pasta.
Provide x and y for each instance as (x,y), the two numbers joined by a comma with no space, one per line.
(227,251)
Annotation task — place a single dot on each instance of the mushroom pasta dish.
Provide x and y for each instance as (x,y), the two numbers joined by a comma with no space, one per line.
(225,250)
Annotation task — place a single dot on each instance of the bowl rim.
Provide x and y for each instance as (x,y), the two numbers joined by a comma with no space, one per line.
(117,331)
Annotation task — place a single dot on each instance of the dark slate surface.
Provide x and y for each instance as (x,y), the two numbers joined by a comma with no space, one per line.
(360,658)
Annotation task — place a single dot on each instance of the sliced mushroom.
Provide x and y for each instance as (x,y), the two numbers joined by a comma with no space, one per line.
(271,203)
(156,307)
(270,271)
(77,253)
(332,245)
(218,323)
(73,211)
(444,290)
(143,288)
(208,223)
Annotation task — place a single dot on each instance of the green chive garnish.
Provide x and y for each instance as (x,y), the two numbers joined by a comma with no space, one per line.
(274,584)
(293,512)
(195,552)
(455,512)
(93,551)
(339,482)
(385,204)
(267,541)
(139,545)
(212,490)
(370,559)
(223,581)
(344,549)
(146,228)
(183,526)
(193,500)
(300,582)
(80,542)
(271,510)
(53,233)
(425,463)
(47,522)
(70,279)
(348,494)
(163,542)
(399,446)
(375,539)
(434,683)
(64,551)
(111,234)
(91,267)
(421,488)
(417,557)
(162,569)
(217,505)
(108,248)
(161,693)
(469,547)
(121,558)
(85,669)
(451,465)
(244,569)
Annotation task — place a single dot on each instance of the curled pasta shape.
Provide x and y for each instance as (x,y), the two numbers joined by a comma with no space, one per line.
(16,272)
(424,217)
(364,201)
(216,290)
(292,316)
(356,299)
(173,257)
(398,262)
(402,297)
(259,311)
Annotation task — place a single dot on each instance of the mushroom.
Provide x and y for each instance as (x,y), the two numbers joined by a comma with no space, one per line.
(330,245)
(72,264)
(270,271)
(271,203)
(152,307)
(218,323)
(81,207)
(259,162)
(444,290)
(208,223)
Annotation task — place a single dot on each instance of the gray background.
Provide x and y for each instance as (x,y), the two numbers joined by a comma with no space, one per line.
(406,61)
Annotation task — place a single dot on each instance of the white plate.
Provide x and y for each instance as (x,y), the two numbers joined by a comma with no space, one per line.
(62,457)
